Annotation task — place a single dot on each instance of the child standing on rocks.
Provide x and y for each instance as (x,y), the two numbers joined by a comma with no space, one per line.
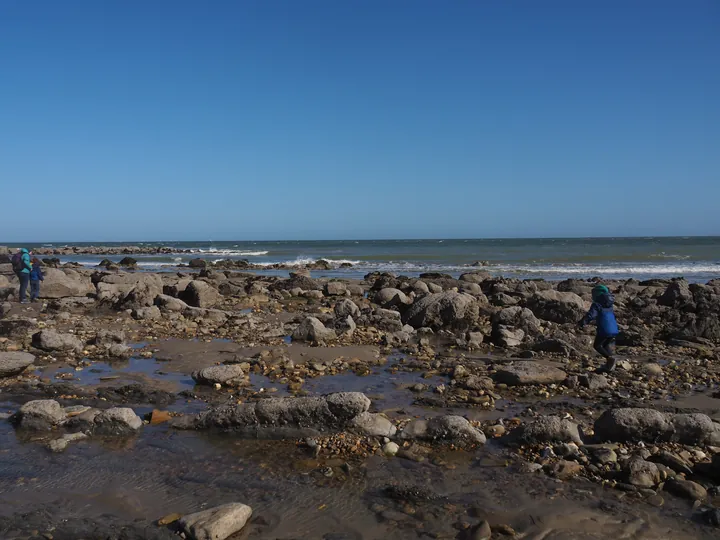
(36,276)
(602,313)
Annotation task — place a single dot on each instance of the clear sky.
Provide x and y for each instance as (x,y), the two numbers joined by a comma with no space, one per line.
(328,119)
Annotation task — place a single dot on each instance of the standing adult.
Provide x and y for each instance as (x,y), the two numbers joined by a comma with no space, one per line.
(22,267)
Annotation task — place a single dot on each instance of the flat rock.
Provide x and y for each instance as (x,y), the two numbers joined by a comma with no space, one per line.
(14,363)
(216,523)
(521,373)
(373,425)
(52,341)
(547,429)
(218,374)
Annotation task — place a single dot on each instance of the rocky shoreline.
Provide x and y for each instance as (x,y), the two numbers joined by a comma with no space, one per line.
(370,374)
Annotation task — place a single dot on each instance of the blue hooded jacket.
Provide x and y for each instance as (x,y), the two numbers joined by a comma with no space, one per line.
(27,266)
(36,274)
(602,312)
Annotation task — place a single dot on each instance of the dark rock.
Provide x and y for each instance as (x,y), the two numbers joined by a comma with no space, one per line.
(527,372)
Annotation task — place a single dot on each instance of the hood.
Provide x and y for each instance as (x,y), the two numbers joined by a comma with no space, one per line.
(605,300)
(24,251)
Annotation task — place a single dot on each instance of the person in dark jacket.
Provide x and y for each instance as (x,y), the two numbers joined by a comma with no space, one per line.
(603,314)
(36,276)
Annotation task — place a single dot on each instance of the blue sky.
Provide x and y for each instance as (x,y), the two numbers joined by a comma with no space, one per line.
(329,119)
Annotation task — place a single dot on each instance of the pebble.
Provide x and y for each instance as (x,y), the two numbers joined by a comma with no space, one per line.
(391,449)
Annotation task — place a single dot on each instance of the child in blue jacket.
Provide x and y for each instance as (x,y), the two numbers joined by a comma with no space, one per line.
(602,313)
(36,276)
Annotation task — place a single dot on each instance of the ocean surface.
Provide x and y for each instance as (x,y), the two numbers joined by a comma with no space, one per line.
(696,258)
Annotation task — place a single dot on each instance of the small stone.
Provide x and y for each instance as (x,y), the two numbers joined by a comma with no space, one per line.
(170,518)
(482,532)
(159,417)
(391,449)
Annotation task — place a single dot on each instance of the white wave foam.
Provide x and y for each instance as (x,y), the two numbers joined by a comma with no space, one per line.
(652,269)
(230,252)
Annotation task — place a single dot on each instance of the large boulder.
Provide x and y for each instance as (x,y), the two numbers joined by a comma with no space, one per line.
(170,303)
(510,326)
(39,415)
(443,310)
(335,288)
(283,417)
(14,363)
(297,280)
(676,295)
(53,341)
(556,306)
(216,523)
(201,294)
(547,429)
(129,291)
(311,329)
(65,283)
(390,297)
(649,425)
(527,372)
(628,424)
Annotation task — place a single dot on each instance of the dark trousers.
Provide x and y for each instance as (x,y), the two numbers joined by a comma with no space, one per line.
(604,345)
(24,280)
(34,289)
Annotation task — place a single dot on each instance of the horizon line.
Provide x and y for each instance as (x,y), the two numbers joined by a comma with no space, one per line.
(133,242)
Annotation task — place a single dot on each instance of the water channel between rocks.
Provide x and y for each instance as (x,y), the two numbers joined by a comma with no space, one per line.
(297,495)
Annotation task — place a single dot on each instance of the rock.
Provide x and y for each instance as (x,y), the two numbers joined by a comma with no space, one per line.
(298,280)
(283,417)
(127,261)
(527,372)
(454,428)
(159,417)
(373,425)
(695,428)
(547,429)
(39,415)
(443,310)
(564,470)
(65,283)
(335,288)
(197,263)
(61,444)
(216,523)
(347,308)
(481,532)
(475,339)
(151,313)
(218,374)
(641,473)
(604,455)
(624,425)
(475,382)
(554,346)
(686,489)
(201,294)
(134,291)
(676,295)
(170,303)
(517,317)
(506,336)
(594,381)
(52,341)
(311,329)
(390,297)
(653,370)
(416,429)
(117,421)
(16,327)
(119,350)
(108,337)
(14,363)
(558,307)
(674,462)
(390,449)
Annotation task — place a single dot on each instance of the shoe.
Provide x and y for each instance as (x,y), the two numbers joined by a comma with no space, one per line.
(610,365)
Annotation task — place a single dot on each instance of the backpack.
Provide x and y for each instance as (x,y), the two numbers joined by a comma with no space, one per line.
(17,263)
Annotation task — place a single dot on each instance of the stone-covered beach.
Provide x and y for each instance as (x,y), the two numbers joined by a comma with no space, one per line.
(431,406)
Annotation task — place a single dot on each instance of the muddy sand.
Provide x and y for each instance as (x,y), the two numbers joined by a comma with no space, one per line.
(388,408)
